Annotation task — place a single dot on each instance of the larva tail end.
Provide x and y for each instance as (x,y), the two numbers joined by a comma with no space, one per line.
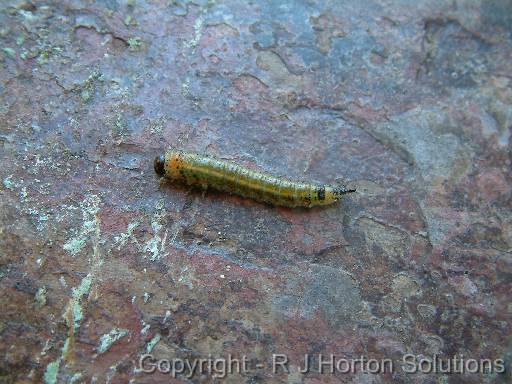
(159,164)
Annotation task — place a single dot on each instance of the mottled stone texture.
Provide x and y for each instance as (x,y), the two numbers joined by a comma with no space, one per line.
(410,101)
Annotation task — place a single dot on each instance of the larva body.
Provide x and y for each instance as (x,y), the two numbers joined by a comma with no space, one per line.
(208,172)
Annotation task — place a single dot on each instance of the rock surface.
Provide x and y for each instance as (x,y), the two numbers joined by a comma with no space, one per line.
(101,262)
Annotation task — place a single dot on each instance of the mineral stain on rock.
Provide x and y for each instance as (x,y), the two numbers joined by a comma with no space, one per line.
(322,289)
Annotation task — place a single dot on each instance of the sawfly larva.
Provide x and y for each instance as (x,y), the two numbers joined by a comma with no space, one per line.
(208,172)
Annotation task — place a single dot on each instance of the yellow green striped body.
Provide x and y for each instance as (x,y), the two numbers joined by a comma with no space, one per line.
(207,172)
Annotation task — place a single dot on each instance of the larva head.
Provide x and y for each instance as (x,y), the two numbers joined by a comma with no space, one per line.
(340,190)
(159,164)
(330,193)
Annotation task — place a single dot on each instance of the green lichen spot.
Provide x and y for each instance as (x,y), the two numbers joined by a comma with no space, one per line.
(8,182)
(134,43)
(154,341)
(83,288)
(9,52)
(85,95)
(43,58)
(77,314)
(52,370)
(78,293)
(73,246)
(108,339)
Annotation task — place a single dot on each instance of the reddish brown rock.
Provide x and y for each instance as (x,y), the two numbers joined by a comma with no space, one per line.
(102,262)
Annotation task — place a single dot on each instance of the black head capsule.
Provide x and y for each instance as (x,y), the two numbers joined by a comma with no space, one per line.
(342,190)
(160,165)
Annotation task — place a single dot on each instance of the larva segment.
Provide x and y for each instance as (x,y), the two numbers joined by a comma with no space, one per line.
(207,172)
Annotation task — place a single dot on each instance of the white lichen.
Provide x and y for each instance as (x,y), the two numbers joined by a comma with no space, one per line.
(108,339)
(90,208)
(145,327)
(77,376)
(151,344)
(156,245)
(198,32)
(40,296)
(122,239)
